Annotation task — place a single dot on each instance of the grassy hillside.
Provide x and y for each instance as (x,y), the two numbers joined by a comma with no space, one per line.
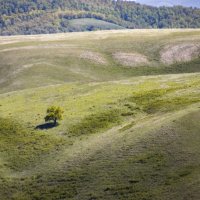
(131,116)
(91,25)
(79,160)
(99,56)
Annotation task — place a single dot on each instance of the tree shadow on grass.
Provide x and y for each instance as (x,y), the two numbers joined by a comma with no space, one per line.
(46,126)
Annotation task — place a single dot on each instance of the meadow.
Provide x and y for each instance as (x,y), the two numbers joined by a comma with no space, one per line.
(131,104)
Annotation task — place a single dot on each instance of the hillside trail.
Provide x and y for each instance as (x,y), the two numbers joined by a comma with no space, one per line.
(111,139)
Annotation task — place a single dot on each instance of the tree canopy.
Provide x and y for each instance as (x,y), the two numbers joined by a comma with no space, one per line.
(53,16)
(54,113)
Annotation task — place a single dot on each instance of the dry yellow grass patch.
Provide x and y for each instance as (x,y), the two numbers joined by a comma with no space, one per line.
(93,57)
(180,53)
(130,59)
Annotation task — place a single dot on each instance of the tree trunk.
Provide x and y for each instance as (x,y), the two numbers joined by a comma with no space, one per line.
(55,122)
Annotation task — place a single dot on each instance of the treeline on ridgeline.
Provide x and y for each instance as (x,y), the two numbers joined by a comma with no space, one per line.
(54,16)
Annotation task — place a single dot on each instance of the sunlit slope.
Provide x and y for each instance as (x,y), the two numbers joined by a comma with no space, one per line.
(136,138)
(130,128)
(33,61)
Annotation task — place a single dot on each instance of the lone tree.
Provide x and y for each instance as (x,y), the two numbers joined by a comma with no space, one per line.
(54,113)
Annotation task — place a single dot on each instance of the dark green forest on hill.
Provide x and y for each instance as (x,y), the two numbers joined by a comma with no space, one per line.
(54,16)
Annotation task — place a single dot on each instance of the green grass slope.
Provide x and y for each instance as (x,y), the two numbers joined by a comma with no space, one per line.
(89,24)
(118,140)
(129,130)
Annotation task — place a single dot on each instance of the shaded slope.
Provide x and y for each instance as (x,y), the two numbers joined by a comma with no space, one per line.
(21,148)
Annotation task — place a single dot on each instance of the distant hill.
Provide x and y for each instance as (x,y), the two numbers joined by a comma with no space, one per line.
(90,25)
(186,3)
(47,16)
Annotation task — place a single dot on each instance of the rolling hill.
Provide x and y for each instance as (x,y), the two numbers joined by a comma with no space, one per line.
(130,128)
(99,56)
(45,16)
